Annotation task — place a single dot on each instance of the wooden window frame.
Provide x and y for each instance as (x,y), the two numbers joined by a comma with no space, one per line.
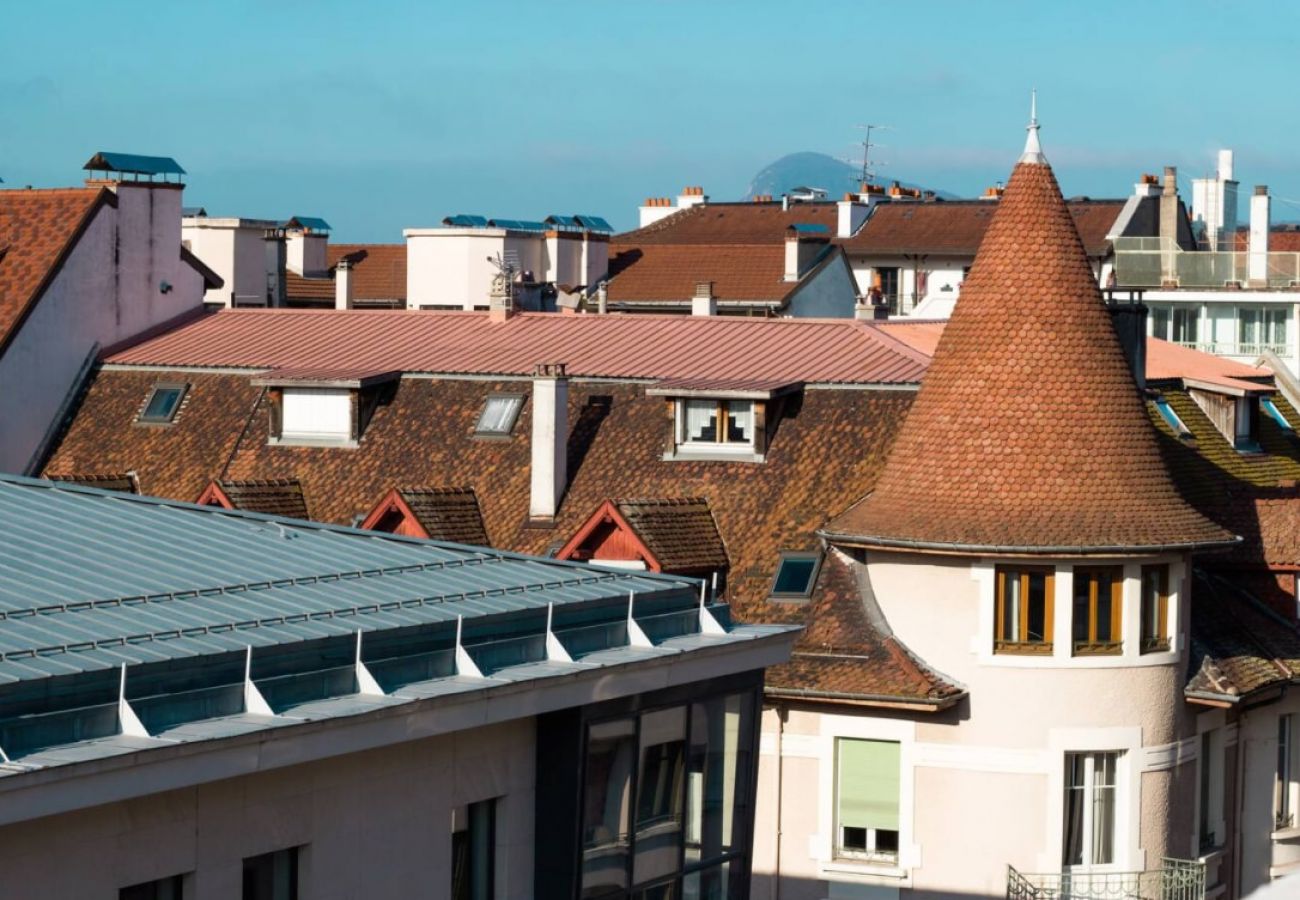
(1159,642)
(720,409)
(1024,645)
(1090,646)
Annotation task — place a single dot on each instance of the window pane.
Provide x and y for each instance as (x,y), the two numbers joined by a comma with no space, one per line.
(162,404)
(1082,606)
(1011,606)
(1103,808)
(717,795)
(701,420)
(1072,854)
(272,876)
(611,752)
(1105,583)
(740,421)
(715,883)
(868,785)
(162,889)
(1037,607)
(659,794)
(794,576)
(498,416)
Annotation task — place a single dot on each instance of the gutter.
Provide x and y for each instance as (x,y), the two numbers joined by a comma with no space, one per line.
(885,701)
(867,541)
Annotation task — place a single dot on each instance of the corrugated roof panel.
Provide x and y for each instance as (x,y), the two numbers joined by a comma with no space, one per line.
(133,164)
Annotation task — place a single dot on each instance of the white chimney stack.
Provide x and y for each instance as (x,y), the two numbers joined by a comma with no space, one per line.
(704,303)
(654,209)
(1225,165)
(1257,260)
(691,196)
(550,440)
(343,284)
(852,214)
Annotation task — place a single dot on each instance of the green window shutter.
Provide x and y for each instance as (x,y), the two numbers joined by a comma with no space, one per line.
(868,784)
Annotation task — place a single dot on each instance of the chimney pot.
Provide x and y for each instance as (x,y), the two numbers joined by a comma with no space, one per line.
(1261,190)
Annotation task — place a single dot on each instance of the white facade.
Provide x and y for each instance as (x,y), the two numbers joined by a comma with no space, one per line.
(1241,325)
(1214,203)
(236,250)
(123,276)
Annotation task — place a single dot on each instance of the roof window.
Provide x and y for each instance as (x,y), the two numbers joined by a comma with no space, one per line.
(1167,413)
(1269,407)
(796,573)
(497,418)
(163,404)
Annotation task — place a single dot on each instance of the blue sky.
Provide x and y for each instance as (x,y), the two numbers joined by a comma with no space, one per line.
(384,115)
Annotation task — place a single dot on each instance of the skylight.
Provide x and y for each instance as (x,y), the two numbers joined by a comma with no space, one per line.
(499,414)
(1167,413)
(796,574)
(163,403)
(1275,414)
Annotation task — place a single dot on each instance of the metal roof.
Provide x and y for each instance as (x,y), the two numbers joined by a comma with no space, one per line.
(809,228)
(311,223)
(595,223)
(814,351)
(461,220)
(142,610)
(564,221)
(133,164)
(517,224)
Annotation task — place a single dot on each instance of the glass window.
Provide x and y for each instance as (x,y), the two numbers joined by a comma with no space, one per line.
(473,853)
(718,422)
(1246,425)
(720,882)
(1160,322)
(1024,610)
(1167,413)
(1267,404)
(866,799)
(1283,802)
(1208,762)
(1155,609)
(1261,328)
(499,414)
(272,876)
(796,573)
(162,889)
(1098,606)
(607,791)
(316,413)
(1090,786)
(659,794)
(163,403)
(1185,320)
(718,777)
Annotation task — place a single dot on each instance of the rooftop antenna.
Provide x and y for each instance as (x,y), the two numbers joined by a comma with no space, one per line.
(868,172)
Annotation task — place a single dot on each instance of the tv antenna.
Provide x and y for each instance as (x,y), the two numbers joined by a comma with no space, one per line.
(868,172)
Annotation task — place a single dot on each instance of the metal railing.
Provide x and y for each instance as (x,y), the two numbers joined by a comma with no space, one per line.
(1176,879)
(1142,262)
(1228,348)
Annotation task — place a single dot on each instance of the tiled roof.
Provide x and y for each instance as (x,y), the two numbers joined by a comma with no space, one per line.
(669,272)
(729,223)
(679,532)
(643,346)
(37,231)
(274,496)
(957,227)
(378,273)
(116,481)
(1028,432)
(447,514)
(1239,646)
(849,652)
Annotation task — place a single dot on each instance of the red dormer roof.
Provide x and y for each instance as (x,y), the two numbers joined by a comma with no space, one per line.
(1028,434)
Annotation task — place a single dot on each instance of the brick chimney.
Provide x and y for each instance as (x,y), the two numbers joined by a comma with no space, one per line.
(800,252)
(704,303)
(550,444)
(501,304)
(343,284)
(1169,227)
(1129,316)
(1257,258)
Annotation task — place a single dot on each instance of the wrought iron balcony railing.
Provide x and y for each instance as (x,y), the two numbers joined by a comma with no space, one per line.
(1176,879)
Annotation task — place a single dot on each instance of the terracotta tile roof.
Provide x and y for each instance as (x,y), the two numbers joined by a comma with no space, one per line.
(1239,646)
(447,514)
(849,653)
(642,346)
(1168,360)
(729,223)
(1028,432)
(378,273)
(680,532)
(271,496)
(669,272)
(117,481)
(37,231)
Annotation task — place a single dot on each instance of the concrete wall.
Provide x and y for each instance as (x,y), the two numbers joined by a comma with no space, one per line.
(233,250)
(449,268)
(372,824)
(109,289)
(829,293)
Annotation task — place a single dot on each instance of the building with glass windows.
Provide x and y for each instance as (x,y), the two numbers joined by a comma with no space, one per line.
(198,702)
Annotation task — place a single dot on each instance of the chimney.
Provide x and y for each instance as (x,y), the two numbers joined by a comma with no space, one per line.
(655,208)
(851,215)
(691,196)
(800,251)
(602,298)
(704,303)
(501,297)
(306,252)
(343,284)
(1147,186)
(1169,227)
(1225,165)
(1257,259)
(1129,316)
(550,440)
(274,244)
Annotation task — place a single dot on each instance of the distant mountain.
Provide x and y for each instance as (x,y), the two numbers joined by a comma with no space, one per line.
(816,170)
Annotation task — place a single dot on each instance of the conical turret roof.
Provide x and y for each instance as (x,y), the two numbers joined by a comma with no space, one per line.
(1029,433)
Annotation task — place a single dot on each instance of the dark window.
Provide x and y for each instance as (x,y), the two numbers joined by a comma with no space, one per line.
(272,876)
(161,407)
(1155,608)
(1024,610)
(162,889)
(796,573)
(473,853)
(718,422)
(1098,606)
(499,414)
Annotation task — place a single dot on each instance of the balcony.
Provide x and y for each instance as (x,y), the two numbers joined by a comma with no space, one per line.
(1141,262)
(1251,351)
(1176,879)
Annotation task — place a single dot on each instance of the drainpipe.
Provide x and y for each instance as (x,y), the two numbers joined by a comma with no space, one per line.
(780,767)
(1241,785)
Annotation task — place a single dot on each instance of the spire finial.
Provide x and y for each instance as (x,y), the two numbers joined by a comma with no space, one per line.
(1033,150)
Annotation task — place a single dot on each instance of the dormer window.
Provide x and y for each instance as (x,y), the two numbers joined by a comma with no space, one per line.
(725,420)
(320,408)
(723,424)
(163,404)
(1233,405)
